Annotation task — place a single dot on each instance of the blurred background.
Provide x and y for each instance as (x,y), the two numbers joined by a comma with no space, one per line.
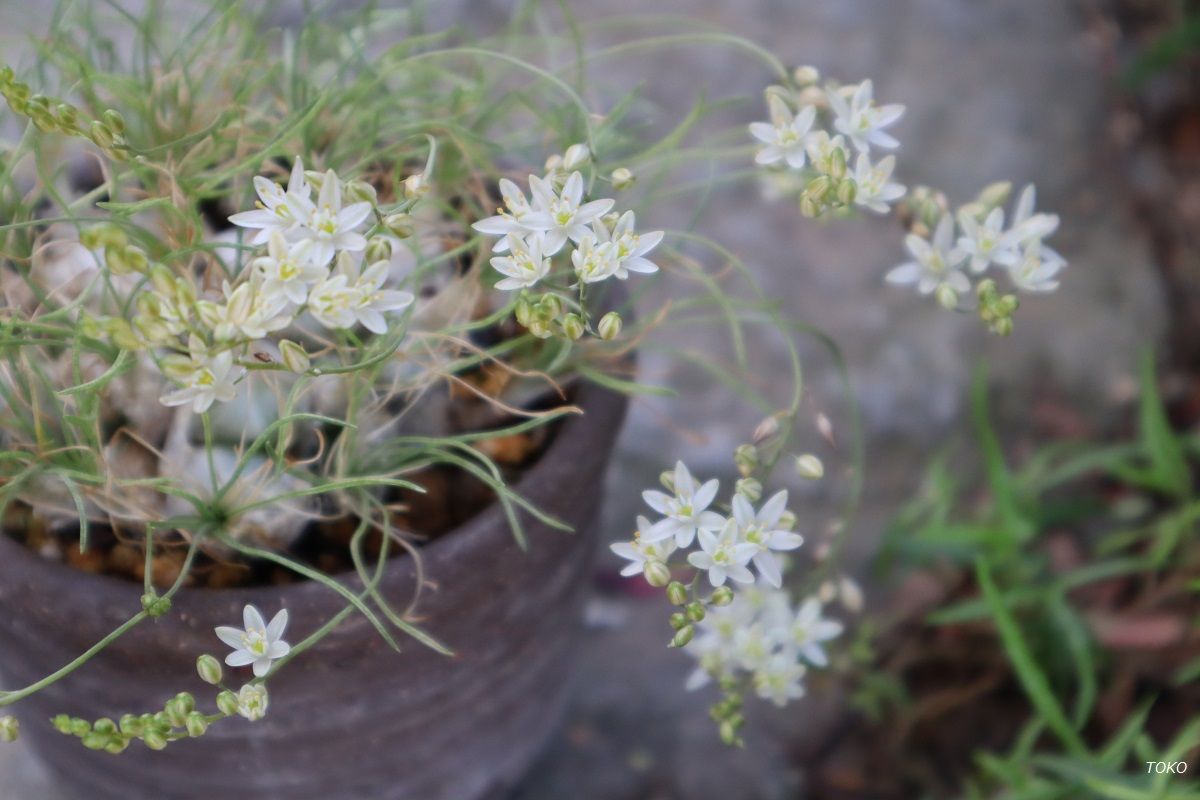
(1096,102)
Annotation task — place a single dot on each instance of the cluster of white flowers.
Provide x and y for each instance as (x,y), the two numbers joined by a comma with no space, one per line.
(951,249)
(314,260)
(728,546)
(762,635)
(533,230)
(815,132)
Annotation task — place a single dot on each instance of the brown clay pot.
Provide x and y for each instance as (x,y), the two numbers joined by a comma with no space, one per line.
(350,719)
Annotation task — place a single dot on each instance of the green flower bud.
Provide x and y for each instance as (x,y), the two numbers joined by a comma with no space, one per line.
(809,207)
(114,121)
(125,260)
(721,596)
(154,740)
(787,521)
(729,734)
(80,727)
(810,467)
(622,178)
(379,248)
(105,725)
(750,488)
(10,728)
(186,701)
(154,605)
(610,326)
(227,703)
(846,191)
(683,636)
(549,308)
(122,334)
(362,192)
(1007,305)
(96,741)
(678,620)
(196,725)
(176,713)
(657,574)
(540,328)
(820,187)
(101,135)
(523,310)
(209,669)
(837,164)
(116,746)
(667,479)
(695,611)
(1002,327)
(399,225)
(947,298)
(131,725)
(63,724)
(573,326)
(296,359)
(745,457)
(677,593)
(67,116)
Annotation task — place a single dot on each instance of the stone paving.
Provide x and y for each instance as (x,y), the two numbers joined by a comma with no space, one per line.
(994,89)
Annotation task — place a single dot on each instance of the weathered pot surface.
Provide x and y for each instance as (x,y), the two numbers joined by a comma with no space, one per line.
(349,719)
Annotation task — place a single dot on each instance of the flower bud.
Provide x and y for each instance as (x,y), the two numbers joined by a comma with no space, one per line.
(821,186)
(416,186)
(827,592)
(721,596)
(239,305)
(749,488)
(154,740)
(787,521)
(1002,326)
(379,248)
(683,636)
(610,326)
(315,178)
(154,605)
(362,192)
(399,225)
(79,727)
(657,574)
(576,156)
(851,594)
(810,467)
(847,190)
(10,728)
(573,326)
(114,121)
(253,701)
(746,459)
(677,593)
(809,207)
(176,713)
(116,746)
(539,328)
(125,260)
(131,725)
(295,357)
(523,310)
(766,429)
(678,620)
(806,75)
(995,194)
(227,703)
(67,116)
(101,135)
(196,725)
(553,163)
(62,724)
(946,296)
(667,479)
(695,611)
(622,179)
(837,163)
(550,307)
(209,669)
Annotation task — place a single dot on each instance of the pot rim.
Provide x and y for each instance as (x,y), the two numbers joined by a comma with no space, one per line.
(593,400)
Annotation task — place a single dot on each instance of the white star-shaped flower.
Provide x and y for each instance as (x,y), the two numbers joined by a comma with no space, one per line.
(258,643)
(724,555)
(331,228)
(525,264)
(287,271)
(784,136)
(686,512)
(509,220)
(641,553)
(562,215)
(761,530)
(985,241)
(809,632)
(874,188)
(278,210)
(631,247)
(205,378)
(935,263)
(861,120)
